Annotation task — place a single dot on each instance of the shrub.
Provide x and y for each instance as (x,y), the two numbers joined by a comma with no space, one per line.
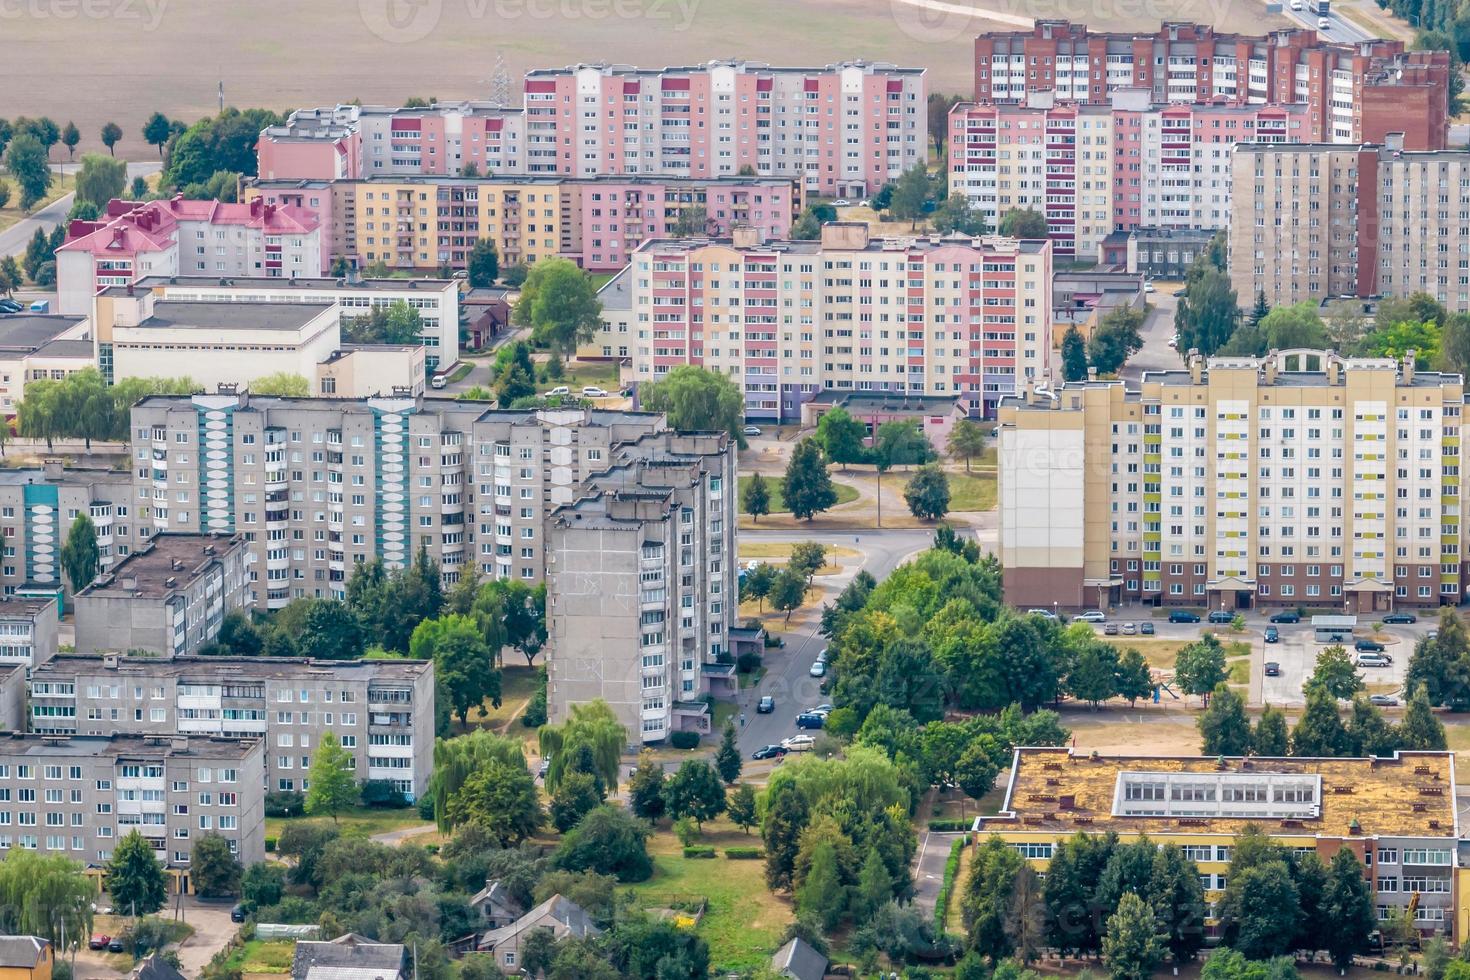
(744,853)
(686,830)
(946,888)
(270,844)
(425,804)
(684,740)
(381,793)
(950,825)
(699,851)
(285,804)
(749,663)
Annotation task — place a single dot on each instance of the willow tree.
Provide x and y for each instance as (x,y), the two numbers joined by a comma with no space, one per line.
(457,759)
(593,725)
(48,896)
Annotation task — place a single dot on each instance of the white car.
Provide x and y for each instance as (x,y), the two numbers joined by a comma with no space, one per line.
(592,391)
(1174,341)
(841,203)
(818,669)
(558,390)
(1093,616)
(438,381)
(798,743)
(1148,287)
(1047,613)
(1324,24)
(751,430)
(1296,4)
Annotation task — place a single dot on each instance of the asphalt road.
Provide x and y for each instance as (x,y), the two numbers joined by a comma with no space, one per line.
(13,239)
(1156,354)
(1342,29)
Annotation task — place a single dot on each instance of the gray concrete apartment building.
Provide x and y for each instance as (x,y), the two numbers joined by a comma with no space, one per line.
(642,586)
(317,485)
(382,711)
(167,598)
(78,795)
(37,507)
(28,630)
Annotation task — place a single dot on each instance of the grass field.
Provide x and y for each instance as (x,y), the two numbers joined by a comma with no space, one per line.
(744,919)
(1158,653)
(782,550)
(967,493)
(62,185)
(359,821)
(580,374)
(260,956)
(517,685)
(846,493)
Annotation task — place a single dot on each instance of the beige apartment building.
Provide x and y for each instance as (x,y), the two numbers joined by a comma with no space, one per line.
(1299,479)
(381,711)
(641,586)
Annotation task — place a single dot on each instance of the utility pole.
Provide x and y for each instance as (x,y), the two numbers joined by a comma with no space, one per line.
(221,95)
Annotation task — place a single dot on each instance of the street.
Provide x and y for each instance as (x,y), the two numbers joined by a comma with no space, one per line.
(13,239)
(1156,354)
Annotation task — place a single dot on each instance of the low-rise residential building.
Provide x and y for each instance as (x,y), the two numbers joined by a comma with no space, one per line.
(25,958)
(562,917)
(349,957)
(1298,478)
(1157,253)
(28,630)
(180,237)
(166,598)
(37,508)
(36,346)
(952,315)
(1396,814)
(641,588)
(78,795)
(935,415)
(381,711)
(1082,299)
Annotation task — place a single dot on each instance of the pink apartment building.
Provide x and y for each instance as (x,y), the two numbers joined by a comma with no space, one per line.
(179,237)
(966,318)
(846,129)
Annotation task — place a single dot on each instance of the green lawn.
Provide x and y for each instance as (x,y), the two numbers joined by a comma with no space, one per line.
(62,185)
(359,821)
(970,492)
(846,493)
(260,956)
(517,685)
(744,920)
(578,374)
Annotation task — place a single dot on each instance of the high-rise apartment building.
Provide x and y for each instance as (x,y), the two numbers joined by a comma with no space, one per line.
(1314,220)
(1354,92)
(318,486)
(959,316)
(37,508)
(381,711)
(1297,479)
(641,586)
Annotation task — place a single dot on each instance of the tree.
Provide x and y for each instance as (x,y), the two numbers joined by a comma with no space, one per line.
(841,437)
(1336,673)
(927,493)
(1228,964)
(1093,676)
(213,869)
(740,806)
(901,443)
(576,796)
(1270,738)
(1347,915)
(559,304)
(610,841)
(1025,223)
(500,798)
(758,583)
(1284,328)
(1132,944)
(1224,728)
(4,200)
(1260,310)
(1260,910)
(1207,315)
(25,158)
(1115,339)
(1199,667)
(593,725)
(694,791)
(987,898)
(966,441)
(955,216)
(396,324)
(755,498)
(1135,680)
(911,193)
(785,818)
(807,226)
(135,878)
(646,787)
(1420,730)
(80,554)
(226,141)
(483,265)
(282,384)
(463,664)
(332,787)
(11,277)
(70,137)
(1074,355)
(1319,732)
(788,592)
(821,893)
(727,756)
(330,631)
(807,488)
(938,108)
(692,220)
(1025,923)
(111,134)
(156,131)
(696,399)
(1368,733)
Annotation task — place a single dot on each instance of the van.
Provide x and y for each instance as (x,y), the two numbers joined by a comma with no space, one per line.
(438,381)
(1374,660)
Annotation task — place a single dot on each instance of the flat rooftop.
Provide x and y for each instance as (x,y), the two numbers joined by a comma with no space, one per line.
(1058,790)
(219,669)
(68,476)
(267,282)
(123,746)
(146,573)
(13,607)
(27,331)
(232,316)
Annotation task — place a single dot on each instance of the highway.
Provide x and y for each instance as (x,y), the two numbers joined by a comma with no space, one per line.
(1342,30)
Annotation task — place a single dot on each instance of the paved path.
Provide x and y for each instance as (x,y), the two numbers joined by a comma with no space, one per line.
(395,837)
(929,863)
(13,240)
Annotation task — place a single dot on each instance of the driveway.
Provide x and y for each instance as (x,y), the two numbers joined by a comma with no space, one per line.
(929,868)
(1156,354)
(212,931)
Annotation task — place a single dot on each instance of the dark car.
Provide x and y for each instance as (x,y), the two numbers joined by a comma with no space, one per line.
(1147,629)
(1183,616)
(10,306)
(1272,635)
(810,719)
(1368,646)
(769,752)
(1401,618)
(115,946)
(1273,669)
(237,914)
(1221,616)
(765,705)
(1286,617)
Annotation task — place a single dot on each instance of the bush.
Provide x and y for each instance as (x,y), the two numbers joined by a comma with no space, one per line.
(946,888)
(749,663)
(425,804)
(270,845)
(699,851)
(535,714)
(744,853)
(686,830)
(950,825)
(684,740)
(380,793)
(285,804)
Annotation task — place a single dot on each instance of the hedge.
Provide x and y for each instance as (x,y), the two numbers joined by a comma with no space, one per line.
(699,851)
(744,853)
(951,825)
(684,740)
(946,888)
(270,844)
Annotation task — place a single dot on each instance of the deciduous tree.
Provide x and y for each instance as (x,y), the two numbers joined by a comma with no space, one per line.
(1133,946)
(927,493)
(111,134)
(213,870)
(80,554)
(696,399)
(1025,223)
(841,437)
(135,878)
(1224,728)
(694,791)
(807,488)
(559,304)
(332,787)
(755,498)
(483,265)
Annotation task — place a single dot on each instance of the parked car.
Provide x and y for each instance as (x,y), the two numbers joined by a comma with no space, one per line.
(1110,629)
(237,914)
(1045,613)
(1374,660)
(1272,635)
(822,709)
(841,203)
(798,743)
(1130,628)
(819,669)
(810,719)
(438,381)
(1148,287)
(1286,616)
(99,941)
(769,752)
(1273,669)
(592,391)
(1383,700)
(1147,629)
(765,705)
(1401,618)
(558,390)
(751,430)
(10,306)
(1221,616)
(1366,645)
(115,945)
(1093,616)
(822,655)
(1183,616)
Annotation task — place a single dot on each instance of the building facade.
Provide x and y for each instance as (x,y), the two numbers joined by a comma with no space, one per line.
(179,237)
(969,317)
(1301,478)
(317,486)
(34,347)
(1354,92)
(168,597)
(28,631)
(78,795)
(381,711)
(1315,221)
(37,508)
(1395,814)
(641,587)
